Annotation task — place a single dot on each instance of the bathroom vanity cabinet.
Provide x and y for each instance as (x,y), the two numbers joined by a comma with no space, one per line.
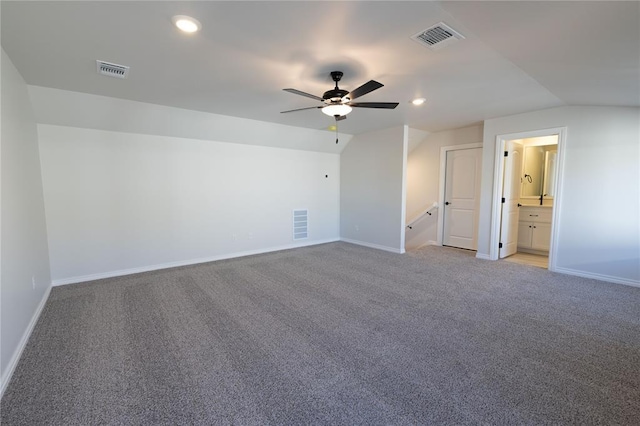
(534,229)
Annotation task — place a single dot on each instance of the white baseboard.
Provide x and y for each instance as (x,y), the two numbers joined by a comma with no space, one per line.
(532,251)
(13,363)
(375,246)
(429,243)
(600,277)
(130,271)
(577,273)
(483,256)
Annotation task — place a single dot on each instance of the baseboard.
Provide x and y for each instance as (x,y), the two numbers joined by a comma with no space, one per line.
(483,256)
(428,243)
(13,363)
(130,271)
(371,245)
(532,251)
(600,277)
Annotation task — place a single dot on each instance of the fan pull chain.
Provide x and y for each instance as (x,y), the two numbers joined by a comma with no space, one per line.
(336,129)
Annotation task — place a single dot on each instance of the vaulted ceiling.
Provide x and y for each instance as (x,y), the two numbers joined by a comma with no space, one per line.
(516,56)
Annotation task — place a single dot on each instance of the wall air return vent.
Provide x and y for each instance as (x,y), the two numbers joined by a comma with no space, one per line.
(437,36)
(112,70)
(300,224)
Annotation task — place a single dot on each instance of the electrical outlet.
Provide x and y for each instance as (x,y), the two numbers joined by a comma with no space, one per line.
(33,282)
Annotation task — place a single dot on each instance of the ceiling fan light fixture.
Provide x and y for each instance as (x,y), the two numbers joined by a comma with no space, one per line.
(418,101)
(337,109)
(186,23)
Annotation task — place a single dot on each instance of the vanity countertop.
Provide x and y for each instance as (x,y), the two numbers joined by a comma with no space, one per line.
(536,205)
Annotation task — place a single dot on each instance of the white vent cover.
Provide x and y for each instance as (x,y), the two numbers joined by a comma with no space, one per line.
(438,36)
(112,70)
(300,224)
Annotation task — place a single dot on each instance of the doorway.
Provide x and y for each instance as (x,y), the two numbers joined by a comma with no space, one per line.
(527,196)
(460,177)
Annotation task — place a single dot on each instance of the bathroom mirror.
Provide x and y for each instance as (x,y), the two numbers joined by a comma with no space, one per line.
(533,171)
(538,172)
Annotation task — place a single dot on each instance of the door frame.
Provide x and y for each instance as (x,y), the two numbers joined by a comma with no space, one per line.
(498,173)
(443,175)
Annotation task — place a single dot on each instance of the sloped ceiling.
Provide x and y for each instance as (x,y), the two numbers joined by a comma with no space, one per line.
(516,57)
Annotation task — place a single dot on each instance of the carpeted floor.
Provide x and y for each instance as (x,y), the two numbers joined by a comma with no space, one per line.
(334,334)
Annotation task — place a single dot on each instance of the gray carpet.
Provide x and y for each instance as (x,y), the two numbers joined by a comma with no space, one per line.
(334,334)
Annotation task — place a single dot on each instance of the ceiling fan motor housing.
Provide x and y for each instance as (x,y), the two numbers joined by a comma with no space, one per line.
(334,95)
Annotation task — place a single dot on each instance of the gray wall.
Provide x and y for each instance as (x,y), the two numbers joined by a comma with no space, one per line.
(423,180)
(119,203)
(599,225)
(372,189)
(25,261)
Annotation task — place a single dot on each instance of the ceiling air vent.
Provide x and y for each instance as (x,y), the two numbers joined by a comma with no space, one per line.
(112,70)
(437,36)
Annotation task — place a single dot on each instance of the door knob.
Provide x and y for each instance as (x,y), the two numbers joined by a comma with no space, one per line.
(446,203)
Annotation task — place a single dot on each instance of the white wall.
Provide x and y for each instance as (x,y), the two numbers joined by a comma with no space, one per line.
(372,188)
(66,108)
(123,202)
(423,175)
(25,278)
(599,223)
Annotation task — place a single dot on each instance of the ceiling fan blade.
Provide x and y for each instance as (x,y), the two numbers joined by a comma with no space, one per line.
(364,89)
(300,109)
(308,95)
(340,117)
(384,105)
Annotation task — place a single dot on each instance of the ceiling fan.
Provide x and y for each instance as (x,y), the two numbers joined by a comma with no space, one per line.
(338,103)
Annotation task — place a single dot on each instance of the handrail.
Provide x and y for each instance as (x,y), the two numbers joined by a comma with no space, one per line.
(425,212)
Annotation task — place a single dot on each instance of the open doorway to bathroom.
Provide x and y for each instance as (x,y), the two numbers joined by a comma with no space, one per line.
(525,196)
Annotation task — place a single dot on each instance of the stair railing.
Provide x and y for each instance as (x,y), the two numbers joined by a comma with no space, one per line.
(422,214)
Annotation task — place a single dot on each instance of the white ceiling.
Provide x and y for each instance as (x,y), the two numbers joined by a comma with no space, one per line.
(517,56)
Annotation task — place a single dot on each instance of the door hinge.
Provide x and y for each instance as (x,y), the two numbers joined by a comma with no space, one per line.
(500,245)
(503,200)
(506,153)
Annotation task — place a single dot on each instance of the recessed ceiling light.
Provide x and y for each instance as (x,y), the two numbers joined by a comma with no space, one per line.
(186,23)
(418,101)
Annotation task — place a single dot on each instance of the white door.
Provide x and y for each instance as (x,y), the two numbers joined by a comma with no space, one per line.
(462,198)
(510,198)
